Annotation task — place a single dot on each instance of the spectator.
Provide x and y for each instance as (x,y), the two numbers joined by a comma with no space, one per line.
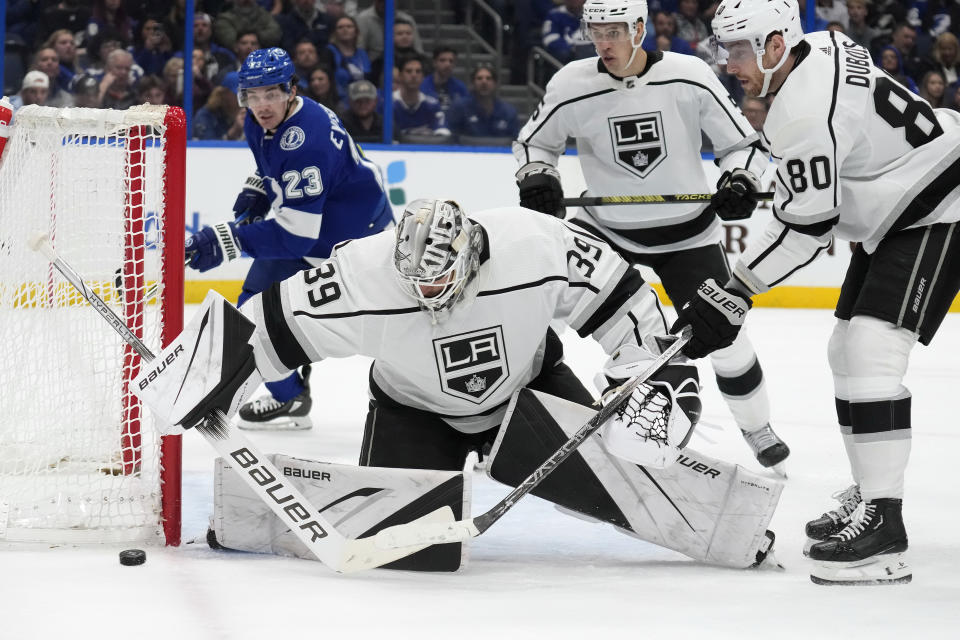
(666,25)
(483,114)
(235,132)
(441,84)
(371,25)
(755,109)
(246,15)
(154,47)
(689,25)
(835,25)
(62,42)
(173,79)
(306,58)
(175,23)
(275,7)
(933,89)
(350,63)
(402,47)
(955,97)
(891,63)
(561,33)
(72,15)
(904,38)
(116,88)
(304,20)
(34,90)
(112,14)
(943,57)
(201,84)
(361,119)
(857,28)
(246,43)
(24,25)
(47,61)
(94,59)
(214,119)
(151,90)
(219,59)
(413,111)
(321,88)
(833,11)
(86,91)
(528,19)
(338,8)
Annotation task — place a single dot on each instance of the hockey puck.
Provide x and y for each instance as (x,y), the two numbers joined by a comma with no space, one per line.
(132,557)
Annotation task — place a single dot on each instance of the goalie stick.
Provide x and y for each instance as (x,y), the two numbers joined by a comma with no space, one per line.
(416,533)
(342,554)
(596,201)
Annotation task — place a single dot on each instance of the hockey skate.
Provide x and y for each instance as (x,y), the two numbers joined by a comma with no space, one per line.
(268,414)
(832,522)
(767,446)
(869,550)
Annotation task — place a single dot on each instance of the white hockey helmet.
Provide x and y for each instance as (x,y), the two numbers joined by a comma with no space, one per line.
(613,12)
(754,21)
(437,254)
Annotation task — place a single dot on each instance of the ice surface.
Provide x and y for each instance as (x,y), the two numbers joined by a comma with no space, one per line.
(538,573)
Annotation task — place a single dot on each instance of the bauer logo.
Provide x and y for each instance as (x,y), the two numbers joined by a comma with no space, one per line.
(292,139)
(472,365)
(638,142)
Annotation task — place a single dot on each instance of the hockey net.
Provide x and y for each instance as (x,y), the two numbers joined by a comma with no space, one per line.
(80,460)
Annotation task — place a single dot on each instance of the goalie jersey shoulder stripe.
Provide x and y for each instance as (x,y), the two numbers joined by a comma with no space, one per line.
(489,346)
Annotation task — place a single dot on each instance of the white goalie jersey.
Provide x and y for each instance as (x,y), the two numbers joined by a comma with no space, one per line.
(642,135)
(858,157)
(534,269)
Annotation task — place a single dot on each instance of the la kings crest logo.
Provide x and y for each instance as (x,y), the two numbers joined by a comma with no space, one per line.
(638,144)
(472,365)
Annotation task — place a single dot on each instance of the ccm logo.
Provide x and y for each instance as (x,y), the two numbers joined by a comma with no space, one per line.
(159,369)
(296,513)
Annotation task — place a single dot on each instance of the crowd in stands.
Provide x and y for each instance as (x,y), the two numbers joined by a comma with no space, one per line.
(116,53)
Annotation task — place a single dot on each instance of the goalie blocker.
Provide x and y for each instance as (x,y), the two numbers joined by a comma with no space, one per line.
(709,510)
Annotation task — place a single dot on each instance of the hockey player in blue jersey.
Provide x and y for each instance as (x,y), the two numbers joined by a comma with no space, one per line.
(322,191)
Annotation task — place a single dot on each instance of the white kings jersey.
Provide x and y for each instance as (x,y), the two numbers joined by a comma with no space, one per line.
(641,135)
(858,157)
(534,269)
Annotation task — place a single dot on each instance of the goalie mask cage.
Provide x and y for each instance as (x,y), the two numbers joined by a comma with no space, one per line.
(80,459)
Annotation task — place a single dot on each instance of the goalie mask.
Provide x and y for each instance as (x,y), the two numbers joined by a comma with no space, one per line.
(741,28)
(437,254)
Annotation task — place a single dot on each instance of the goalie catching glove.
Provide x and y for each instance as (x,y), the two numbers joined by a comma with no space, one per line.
(540,189)
(656,422)
(209,366)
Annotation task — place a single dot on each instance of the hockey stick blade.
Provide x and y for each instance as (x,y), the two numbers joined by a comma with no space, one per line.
(599,201)
(411,533)
(321,538)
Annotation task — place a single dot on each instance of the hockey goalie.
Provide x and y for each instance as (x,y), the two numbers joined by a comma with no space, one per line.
(456,313)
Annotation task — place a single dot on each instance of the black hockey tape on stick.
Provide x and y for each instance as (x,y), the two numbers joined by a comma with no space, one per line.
(342,554)
(598,201)
(414,533)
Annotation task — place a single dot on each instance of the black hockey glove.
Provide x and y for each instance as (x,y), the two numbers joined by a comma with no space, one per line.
(715,315)
(736,195)
(252,205)
(540,189)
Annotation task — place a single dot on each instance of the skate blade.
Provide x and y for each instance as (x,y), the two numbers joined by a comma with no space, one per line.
(881,570)
(280,425)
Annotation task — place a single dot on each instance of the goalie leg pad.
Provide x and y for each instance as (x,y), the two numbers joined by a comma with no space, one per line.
(707,509)
(359,501)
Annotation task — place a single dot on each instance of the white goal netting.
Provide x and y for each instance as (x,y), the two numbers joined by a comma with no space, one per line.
(80,460)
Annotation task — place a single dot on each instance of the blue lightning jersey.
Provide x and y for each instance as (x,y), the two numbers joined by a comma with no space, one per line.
(324,190)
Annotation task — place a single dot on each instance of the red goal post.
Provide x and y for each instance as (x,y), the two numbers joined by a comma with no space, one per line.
(80,459)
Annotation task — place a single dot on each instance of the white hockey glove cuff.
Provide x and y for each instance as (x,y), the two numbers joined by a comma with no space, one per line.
(656,422)
(209,366)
